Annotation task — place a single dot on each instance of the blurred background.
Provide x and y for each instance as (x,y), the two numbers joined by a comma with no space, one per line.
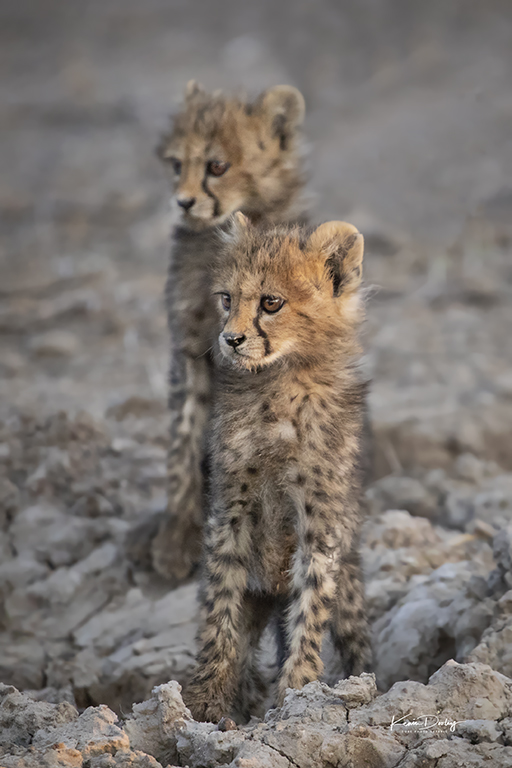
(408,130)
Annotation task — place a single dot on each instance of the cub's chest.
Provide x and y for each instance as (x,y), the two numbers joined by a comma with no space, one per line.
(265,429)
(189,284)
(259,450)
(284,432)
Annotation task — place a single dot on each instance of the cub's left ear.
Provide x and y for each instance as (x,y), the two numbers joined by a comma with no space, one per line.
(341,246)
(284,108)
(237,225)
(240,221)
(193,89)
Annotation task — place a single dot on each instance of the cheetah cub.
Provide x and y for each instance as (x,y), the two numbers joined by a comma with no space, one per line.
(282,528)
(223,155)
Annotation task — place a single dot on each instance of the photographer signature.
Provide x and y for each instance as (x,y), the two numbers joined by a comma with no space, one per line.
(424,722)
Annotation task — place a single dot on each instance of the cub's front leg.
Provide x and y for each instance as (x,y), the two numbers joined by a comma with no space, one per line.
(313,588)
(323,538)
(213,688)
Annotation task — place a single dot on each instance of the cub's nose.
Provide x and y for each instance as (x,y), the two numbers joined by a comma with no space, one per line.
(186,202)
(234,339)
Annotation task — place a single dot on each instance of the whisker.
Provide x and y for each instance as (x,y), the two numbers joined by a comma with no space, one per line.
(204,353)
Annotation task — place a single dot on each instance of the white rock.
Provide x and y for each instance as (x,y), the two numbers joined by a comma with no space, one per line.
(396,492)
(93,733)
(54,344)
(155,724)
(435,618)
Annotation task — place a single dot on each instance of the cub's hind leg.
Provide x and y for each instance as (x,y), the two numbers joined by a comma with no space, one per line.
(176,550)
(349,624)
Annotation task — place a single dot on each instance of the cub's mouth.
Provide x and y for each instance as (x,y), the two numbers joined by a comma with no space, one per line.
(197,217)
(202,218)
(238,357)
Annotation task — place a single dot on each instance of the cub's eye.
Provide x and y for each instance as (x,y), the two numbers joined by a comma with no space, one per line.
(225,300)
(271,303)
(175,163)
(216,168)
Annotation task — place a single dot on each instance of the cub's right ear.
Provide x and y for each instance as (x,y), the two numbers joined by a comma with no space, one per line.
(284,108)
(340,246)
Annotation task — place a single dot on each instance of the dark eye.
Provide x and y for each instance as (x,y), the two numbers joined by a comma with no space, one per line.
(216,168)
(271,303)
(225,301)
(176,164)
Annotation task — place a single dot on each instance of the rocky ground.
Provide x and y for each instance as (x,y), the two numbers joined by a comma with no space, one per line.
(463,717)
(410,139)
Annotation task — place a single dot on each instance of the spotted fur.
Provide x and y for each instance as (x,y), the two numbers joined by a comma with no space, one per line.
(284,515)
(264,179)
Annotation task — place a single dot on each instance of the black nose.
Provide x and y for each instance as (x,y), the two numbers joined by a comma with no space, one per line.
(186,202)
(234,339)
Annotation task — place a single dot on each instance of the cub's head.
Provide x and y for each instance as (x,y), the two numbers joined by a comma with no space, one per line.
(226,155)
(287,294)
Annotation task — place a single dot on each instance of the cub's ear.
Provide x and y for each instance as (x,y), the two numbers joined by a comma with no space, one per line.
(284,108)
(193,89)
(241,221)
(341,246)
(237,224)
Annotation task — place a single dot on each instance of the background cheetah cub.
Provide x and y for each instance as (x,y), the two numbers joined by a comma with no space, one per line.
(284,516)
(223,155)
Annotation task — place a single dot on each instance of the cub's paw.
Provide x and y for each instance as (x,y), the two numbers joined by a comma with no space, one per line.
(295,679)
(207,711)
(176,549)
(205,704)
(280,694)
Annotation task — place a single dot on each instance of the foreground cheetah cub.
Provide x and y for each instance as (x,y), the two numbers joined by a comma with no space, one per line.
(284,517)
(223,155)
